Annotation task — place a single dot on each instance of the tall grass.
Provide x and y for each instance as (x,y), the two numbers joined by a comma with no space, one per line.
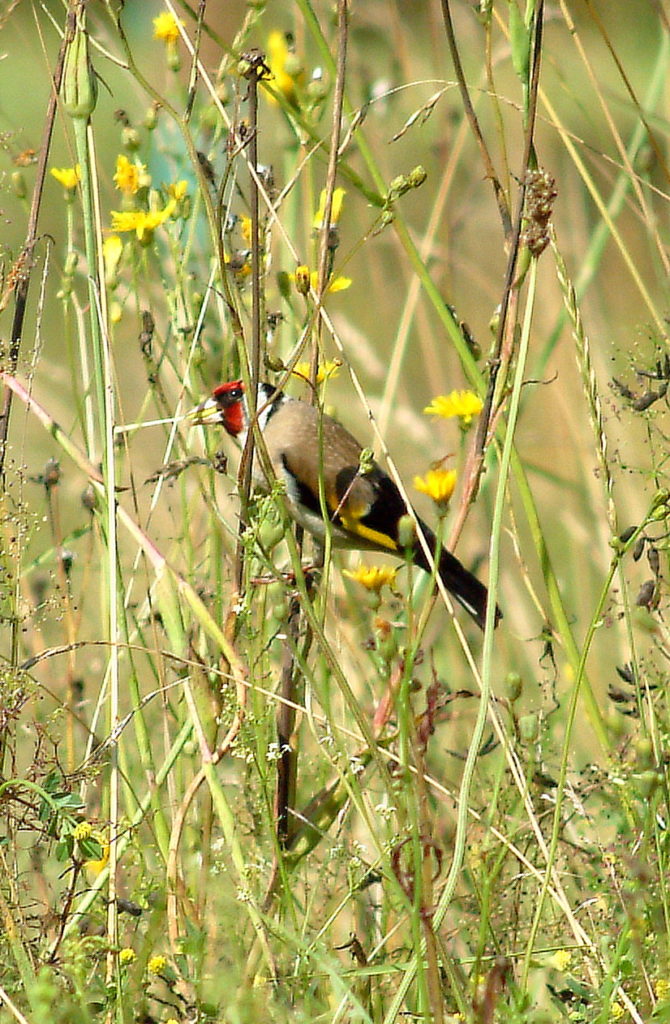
(237,784)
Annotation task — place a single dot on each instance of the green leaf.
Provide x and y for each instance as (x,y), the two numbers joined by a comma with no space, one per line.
(90,849)
(64,849)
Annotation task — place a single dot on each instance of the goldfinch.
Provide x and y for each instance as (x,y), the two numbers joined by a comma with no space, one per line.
(363,503)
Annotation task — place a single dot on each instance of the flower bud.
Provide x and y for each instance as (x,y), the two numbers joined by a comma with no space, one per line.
(417,176)
(19,184)
(284,284)
(151,117)
(513,686)
(660,503)
(293,65)
(51,473)
(270,534)
(67,558)
(643,750)
(406,532)
(89,498)
(317,89)
(80,86)
(130,138)
(529,728)
(173,57)
(302,279)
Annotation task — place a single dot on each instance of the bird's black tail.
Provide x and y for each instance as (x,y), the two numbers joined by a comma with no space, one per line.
(465,587)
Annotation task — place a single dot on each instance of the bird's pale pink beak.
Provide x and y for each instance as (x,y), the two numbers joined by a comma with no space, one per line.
(205,414)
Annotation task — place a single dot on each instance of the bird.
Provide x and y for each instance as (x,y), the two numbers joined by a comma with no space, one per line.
(322,466)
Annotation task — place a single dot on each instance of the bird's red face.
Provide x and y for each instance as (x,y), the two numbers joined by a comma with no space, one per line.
(226,407)
(229,400)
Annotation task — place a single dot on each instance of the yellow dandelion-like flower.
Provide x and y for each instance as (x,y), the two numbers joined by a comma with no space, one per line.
(304,279)
(464,404)
(178,190)
(245,228)
(166,27)
(156,964)
(336,210)
(338,284)
(82,831)
(285,78)
(142,222)
(112,249)
(560,960)
(662,989)
(330,368)
(616,1011)
(127,220)
(128,176)
(94,867)
(372,577)
(68,177)
(438,484)
(126,956)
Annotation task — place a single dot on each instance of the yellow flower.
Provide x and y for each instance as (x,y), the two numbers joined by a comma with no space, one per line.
(156,964)
(82,831)
(245,227)
(142,222)
(330,368)
(286,74)
(372,577)
(166,27)
(127,955)
(560,960)
(438,484)
(302,278)
(112,248)
(338,284)
(68,177)
(464,404)
(129,177)
(662,989)
(178,190)
(305,279)
(94,867)
(336,209)
(616,1011)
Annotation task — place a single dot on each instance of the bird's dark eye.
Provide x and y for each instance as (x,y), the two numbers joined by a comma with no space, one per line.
(229,397)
